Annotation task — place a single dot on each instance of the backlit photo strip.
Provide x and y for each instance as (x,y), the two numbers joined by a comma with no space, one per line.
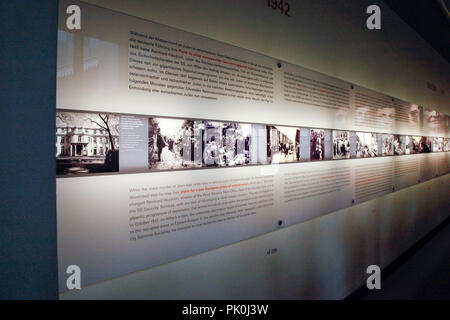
(86,143)
(283,144)
(366,145)
(341,144)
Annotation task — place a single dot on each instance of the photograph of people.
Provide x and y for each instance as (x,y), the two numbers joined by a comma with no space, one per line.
(226,143)
(399,145)
(438,144)
(366,145)
(341,144)
(174,143)
(388,145)
(86,143)
(283,144)
(317,144)
(407,144)
(424,145)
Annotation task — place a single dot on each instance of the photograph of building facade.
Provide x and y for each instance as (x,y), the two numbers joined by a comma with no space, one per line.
(86,142)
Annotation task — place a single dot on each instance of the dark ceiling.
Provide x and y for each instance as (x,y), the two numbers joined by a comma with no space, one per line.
(427,17)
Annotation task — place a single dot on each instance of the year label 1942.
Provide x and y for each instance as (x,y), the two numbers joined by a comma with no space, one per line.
(281,5)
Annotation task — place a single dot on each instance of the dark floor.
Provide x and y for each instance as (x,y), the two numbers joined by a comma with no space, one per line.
(425,274)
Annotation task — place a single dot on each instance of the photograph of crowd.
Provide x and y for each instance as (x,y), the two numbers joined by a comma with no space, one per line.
(283,144)
(174,143)
(399,145)
(388,145)
(317,144)
(226,143)
(366,145)
(86,143)
(341,144)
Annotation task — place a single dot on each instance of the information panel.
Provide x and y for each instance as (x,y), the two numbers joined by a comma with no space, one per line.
(169,144)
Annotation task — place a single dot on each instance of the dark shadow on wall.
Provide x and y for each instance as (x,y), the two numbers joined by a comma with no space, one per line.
(28,252)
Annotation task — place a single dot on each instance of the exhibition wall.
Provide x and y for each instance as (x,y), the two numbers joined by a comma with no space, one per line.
(264,156)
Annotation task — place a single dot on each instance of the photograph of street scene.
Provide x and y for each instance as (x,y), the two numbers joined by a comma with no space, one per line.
(283,144)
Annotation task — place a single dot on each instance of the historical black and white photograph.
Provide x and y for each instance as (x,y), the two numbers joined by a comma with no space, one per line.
(399,145)
(226,143)
(408,145)
(435,120)
(86,143)
(438,144)
(317,144)
(174,143)
(388,145)
(366,145)
(425,145)
(341,144)
(415,144)
(283,144)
